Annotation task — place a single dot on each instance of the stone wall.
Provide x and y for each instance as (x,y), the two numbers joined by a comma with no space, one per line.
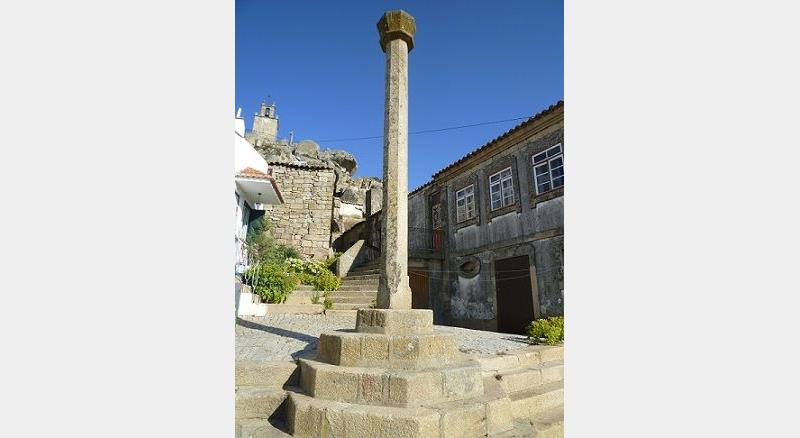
(304,220)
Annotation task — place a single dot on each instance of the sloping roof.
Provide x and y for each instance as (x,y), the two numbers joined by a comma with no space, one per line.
(249,172)
(494,141)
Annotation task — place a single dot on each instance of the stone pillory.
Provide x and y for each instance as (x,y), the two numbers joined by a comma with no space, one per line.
(396,29)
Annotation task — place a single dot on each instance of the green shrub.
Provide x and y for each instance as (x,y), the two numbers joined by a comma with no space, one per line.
(315,298)
(271,281)
(550,329)
(328,303)
(313,274)
(327,281)
(305,278)
(330,262)
(262,246)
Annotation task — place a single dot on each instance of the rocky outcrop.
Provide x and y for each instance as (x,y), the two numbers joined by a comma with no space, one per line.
(349,194)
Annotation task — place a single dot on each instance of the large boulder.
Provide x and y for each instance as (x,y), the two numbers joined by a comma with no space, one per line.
(307,148)
(353,195)
(343,159)
(367,182)
(276,153)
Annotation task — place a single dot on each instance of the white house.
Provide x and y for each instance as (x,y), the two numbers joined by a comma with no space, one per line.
(254,188)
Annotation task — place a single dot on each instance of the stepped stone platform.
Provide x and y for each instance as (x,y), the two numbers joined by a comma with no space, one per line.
(379,380)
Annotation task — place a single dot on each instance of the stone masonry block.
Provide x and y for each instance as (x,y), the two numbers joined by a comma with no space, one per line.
(385,422)
(463,420)
(340,348)
(462,382)
(395,322)
(267,374)
(309,417)
(396,351)
(374,348)
(255,402)
(404,348)
(329,382)
(374,387)
(414,387)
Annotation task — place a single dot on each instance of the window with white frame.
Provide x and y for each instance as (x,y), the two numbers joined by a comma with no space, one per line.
(465,203)
(548,169)
(501,189)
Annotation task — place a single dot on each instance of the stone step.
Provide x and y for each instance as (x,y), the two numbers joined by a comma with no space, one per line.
(410,351)
(303,287)
(273,375)
(350,306)
(532,355)
(259,428)
(359,286)
(390,387)
(302,296)
(295,308)
(309,417)
(519,379)
(358,299)
(354,293)
(362,276)
(475,417)
(342,312)
(550,423)
(531,402)
(364,271)
(258,402)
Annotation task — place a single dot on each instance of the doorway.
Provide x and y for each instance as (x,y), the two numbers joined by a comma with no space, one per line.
(514,294)
(420,296)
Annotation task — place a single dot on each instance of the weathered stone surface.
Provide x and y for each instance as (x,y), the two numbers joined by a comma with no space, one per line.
(304,220)
(396,29)
(498,406)
(462,419)
(395,322)
(387,351)
(340,158)
(392,387)
(273,375)
(307,148)
(395,25)
(255,402)
(310,417)
(531,402)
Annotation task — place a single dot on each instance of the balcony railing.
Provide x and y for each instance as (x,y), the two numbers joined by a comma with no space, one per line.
(424,241)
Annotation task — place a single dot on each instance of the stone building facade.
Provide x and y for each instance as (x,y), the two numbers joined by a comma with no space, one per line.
(304,220)
(486,234)
(499,212)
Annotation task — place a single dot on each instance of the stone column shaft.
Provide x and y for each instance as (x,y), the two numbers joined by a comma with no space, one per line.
(397,30)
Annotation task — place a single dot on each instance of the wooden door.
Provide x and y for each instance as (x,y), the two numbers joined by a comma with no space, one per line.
(514,294)
(418,281)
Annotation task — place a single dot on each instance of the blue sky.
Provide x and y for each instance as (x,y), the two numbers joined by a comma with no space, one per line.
(473,62)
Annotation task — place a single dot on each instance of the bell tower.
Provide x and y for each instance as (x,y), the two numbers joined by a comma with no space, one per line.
(265,124)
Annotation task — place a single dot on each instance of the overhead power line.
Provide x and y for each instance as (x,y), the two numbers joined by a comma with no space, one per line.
(427,131)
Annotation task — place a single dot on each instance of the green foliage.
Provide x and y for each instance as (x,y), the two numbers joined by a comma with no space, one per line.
(330,262)
(315,298)
(328,303)
(551,330)
(271,281)
(262,245)
(314,274)
(327,281)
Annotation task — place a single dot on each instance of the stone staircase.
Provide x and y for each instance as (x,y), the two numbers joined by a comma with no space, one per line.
(359,288)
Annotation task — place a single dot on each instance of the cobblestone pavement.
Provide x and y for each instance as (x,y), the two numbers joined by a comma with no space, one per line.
(287,337)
